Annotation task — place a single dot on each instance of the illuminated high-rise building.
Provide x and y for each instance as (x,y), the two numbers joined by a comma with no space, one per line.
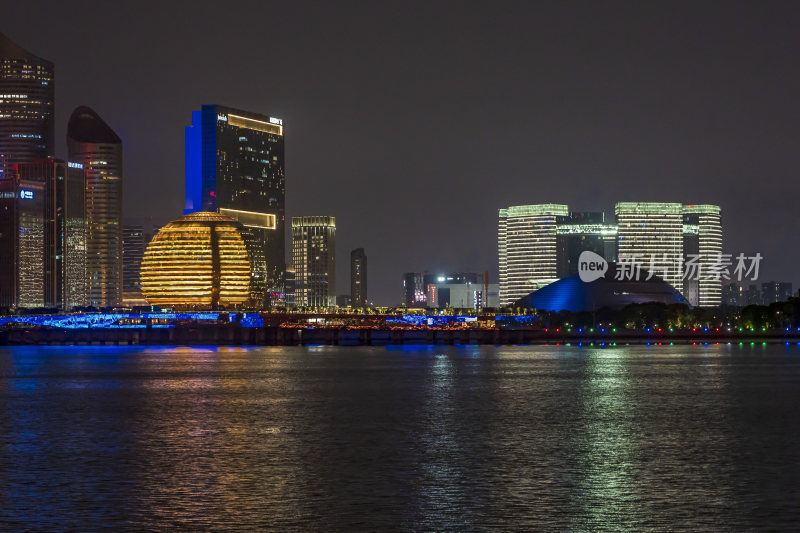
(235,166)
(42,236)
(527,245)
(702,237)
(358,278)
(22,248)
(27,104)
(680,243)
(64,230)
(650,235)
(314,260)
(94,145)
(538,244)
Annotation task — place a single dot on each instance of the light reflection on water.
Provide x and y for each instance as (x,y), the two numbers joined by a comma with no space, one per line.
(445,438)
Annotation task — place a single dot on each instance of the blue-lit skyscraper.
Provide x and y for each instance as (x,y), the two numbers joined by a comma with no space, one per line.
(235,166)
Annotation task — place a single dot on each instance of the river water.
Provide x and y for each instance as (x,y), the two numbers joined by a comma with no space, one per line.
(400,438)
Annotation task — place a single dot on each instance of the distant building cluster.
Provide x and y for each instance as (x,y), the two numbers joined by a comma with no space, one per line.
(461,290)
(738,295)
(540,244)
(60,220)
(63,243)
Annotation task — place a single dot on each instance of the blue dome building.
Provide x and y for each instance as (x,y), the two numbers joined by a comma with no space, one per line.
(572,294)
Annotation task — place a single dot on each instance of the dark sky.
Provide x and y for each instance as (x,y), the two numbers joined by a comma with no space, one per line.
(412,123)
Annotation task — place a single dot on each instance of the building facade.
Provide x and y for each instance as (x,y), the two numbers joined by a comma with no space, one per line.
(235,166)
(42,236)
(538,244)
(199,261)
(133,246)
(527,243)
(290,300)
(579,232)
(314,261)
(651,235)
(702,238)
(358,278)
(414,293)
(463,295)
(92,144)
(64,230)
(680,243)
(22,229)
(776,291)
(27,105)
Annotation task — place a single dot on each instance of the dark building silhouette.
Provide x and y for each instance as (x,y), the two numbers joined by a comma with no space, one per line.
(289,283)
(93,144)
(234,166)
(775,291)
(358,278)
(733,295)
(27,105)
(133,245)
(413,290)
(579,232)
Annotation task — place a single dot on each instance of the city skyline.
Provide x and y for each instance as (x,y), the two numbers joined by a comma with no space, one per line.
(708,144)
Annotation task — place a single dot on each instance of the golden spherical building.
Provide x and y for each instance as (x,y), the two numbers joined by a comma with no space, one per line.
(199,261)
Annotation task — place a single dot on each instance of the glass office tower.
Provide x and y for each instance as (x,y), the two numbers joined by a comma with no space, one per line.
(42,236)
(94,145)
(27,105)
(235,166)
(64,230)
(314,261)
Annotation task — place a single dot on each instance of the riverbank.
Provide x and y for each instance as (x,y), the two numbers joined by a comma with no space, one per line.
(280,336)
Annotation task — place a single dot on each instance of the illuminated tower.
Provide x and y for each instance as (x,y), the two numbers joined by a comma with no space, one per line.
(63,230)
(702,235)
(93,144)
(651,235)
(27,105)
(22,246)
(42,235)
(314,261)
(234,166)
(527,248)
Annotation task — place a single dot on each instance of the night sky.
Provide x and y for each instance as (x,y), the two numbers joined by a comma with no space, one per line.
(412,123)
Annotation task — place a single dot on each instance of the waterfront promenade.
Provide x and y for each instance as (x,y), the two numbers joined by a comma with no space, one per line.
(347,330)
